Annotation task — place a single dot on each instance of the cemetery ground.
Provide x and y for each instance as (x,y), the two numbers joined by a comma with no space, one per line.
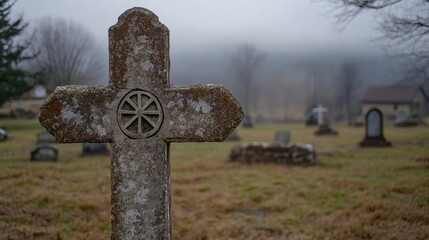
(352,192)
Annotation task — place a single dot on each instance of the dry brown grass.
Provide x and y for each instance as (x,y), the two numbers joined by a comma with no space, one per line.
(351,194)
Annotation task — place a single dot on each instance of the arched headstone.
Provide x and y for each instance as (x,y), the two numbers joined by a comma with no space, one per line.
(374,130)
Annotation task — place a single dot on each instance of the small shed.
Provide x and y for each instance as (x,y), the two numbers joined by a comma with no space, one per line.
(407,98)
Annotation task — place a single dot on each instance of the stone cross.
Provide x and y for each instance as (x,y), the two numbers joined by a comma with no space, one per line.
(319,111)
(139,113)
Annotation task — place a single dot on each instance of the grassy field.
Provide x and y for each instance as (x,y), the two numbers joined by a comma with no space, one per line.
(352,193)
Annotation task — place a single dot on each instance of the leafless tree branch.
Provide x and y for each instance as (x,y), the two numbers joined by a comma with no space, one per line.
(68,53)
(244,62)
(403,24)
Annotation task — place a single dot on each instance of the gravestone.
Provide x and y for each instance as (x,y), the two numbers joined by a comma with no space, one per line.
(374,130)
(45,137)
(233,136)
(323,128)
(3,135)
(247,121)
(44,152)
(140,114)
(319,113)
(282,137)
(401,117)
(95,149)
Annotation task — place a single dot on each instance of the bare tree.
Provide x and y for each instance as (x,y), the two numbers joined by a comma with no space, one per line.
(348,86)
(68,53)
(404,23)
(244,61)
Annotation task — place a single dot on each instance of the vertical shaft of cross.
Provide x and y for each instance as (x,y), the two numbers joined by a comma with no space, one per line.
(140,190)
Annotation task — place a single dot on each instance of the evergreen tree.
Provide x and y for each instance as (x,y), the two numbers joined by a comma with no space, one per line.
(14,81)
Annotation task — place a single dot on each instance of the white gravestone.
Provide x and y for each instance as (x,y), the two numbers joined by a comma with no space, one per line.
(319,112)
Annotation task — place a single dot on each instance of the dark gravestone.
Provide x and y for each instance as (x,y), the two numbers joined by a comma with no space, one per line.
(257,152)
(44,152)
(247,121)
(282,137)
(233,136)
(3,135)
(374,130)
(94,149)
(45,137)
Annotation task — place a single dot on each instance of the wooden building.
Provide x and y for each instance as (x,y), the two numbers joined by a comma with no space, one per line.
(410,99)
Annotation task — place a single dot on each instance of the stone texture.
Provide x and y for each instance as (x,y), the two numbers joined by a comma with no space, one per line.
(79,114)
(140,114)
(258,152)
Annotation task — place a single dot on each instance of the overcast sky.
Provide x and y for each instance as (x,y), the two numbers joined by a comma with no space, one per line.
(271,25)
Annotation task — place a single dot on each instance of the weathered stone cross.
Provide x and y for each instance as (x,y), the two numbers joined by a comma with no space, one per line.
(319,111)
(140,114)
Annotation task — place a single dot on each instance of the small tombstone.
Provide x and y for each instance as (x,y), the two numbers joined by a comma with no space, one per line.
(45,137)
(374,130)
(247,121)
(94,149)
(282,137)
(3,135)
(401,117)
(233,136)
(44,152)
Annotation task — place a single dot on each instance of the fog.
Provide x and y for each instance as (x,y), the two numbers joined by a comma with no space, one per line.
(302,45)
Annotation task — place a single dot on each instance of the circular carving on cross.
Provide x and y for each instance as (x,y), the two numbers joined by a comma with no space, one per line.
(140,114)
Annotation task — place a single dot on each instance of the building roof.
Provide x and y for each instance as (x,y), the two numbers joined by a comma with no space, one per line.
(391,94)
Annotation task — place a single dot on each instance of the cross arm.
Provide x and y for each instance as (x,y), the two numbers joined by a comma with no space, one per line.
(78,114)
(201,113)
